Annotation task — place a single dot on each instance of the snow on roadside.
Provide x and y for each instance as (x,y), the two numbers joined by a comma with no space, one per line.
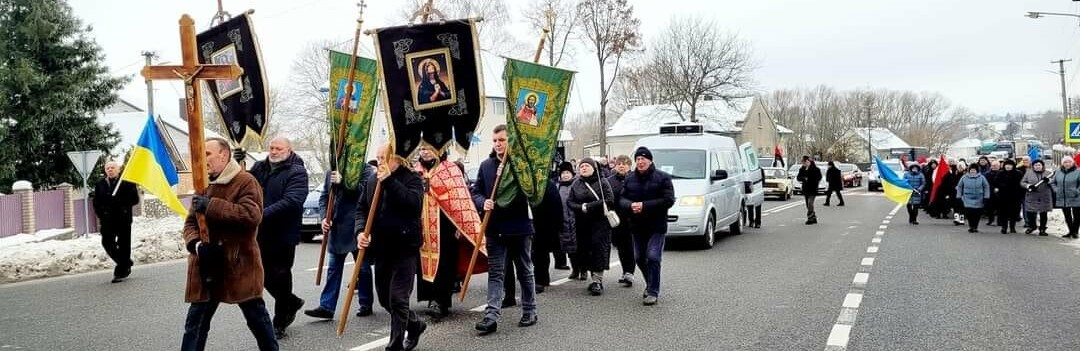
(153,240)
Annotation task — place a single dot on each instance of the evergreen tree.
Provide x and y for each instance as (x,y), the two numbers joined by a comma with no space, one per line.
(53,83)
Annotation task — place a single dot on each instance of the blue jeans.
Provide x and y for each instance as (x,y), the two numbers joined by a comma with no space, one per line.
(519,250)
(649,248)
(200,314)
(329,298)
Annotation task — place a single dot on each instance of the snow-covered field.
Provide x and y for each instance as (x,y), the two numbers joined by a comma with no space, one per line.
(153,240)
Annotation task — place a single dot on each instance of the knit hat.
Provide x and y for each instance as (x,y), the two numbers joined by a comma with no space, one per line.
(589,161)
(566,167)
(643,152)
(1009,162)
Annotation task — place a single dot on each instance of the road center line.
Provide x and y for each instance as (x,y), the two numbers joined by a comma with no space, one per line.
(872,249)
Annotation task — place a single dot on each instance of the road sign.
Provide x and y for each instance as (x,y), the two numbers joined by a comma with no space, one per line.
(1072,130)
(84,161)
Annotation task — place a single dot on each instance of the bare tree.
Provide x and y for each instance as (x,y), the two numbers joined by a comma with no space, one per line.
(560,18)
(695,61)
(493,32)
(585,131)
(611,30)
(1050,127)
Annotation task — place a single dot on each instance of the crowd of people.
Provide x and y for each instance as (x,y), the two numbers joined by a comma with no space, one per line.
(243,229)
(1003,192)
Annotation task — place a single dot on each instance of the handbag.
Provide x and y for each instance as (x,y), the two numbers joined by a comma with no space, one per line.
(612,217)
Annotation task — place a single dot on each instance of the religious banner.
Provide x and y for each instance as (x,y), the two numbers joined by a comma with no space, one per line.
(448,193)
(241,102)
(434,88)
(537,97)
(361,105)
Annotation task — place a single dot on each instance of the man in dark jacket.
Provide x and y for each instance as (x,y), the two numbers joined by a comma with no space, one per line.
(836,184)
(810,176)
(341,242)
(284,184)
(621,236)
(509,234)
(549,219)
(647,195)
(114,214)
(394,243)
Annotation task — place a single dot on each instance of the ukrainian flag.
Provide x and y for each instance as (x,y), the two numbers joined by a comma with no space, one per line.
(151,168)
(895,188)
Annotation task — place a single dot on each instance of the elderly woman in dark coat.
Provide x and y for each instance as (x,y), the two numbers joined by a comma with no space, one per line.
(915,178)
(590,198)
(1039,199)
(1009,196)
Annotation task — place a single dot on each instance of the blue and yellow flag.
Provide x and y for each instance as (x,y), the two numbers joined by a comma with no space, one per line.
(538,96)
(895,188)
(151,168)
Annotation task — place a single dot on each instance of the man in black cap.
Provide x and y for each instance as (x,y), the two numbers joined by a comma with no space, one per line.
(646,197)
(810,177)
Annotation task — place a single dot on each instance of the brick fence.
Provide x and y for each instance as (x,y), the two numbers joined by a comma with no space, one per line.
(27,211)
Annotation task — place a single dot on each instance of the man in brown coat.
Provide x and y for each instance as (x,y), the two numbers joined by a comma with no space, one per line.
(224,265)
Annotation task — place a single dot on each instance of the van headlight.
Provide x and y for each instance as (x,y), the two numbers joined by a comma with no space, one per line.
(692,201)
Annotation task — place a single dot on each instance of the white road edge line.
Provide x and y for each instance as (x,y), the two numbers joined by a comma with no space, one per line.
(372,345)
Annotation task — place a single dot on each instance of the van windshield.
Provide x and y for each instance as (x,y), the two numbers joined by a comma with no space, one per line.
(681,164)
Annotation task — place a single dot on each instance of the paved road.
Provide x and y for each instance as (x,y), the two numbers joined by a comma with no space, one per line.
(782,287)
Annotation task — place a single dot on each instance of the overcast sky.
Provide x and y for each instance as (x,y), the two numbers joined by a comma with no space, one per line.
(982,54)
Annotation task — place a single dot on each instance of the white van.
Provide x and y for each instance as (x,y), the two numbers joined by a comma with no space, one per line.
(708,172)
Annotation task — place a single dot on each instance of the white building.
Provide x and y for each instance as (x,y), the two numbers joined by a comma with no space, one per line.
(882,141)
(965,147)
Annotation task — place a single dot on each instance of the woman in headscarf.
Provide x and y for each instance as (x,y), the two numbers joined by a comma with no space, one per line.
(1039,198)
(915,178)
(590,198)
(928,178)
(1009,196)
(1066,185)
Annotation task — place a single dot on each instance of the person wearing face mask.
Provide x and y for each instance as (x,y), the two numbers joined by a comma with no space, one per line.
(973,191)
(114,214)
(1009,196)
(1039,198)
(1066,185)
(620,236)
(590,199)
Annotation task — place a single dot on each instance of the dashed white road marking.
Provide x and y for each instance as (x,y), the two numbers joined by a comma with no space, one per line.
(861,278)
(872,249)
(886,221)
(839,335)
(879,233)
(852,300)
(876,240)
(883,227)
(868,261)
(372,345)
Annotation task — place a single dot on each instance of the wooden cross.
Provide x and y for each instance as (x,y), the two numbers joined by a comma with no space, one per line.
(191,72)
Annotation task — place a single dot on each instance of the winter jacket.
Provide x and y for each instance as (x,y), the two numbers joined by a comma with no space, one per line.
(342,234)
(974,191)
(1007,185)
(810,177)
(1042,198)
(396,227)
(513,219)
(834,177)
(1066,185)
(568,234)
(617,182)
(654,190)
(917,182)
(284,190)
(114,210)
(232,218)
(549,220)
(588,209)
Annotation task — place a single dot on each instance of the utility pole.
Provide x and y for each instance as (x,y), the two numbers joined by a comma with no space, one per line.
(150,56)
(1064,97)
(869,135)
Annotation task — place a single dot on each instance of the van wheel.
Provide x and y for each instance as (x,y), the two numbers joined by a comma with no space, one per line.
(709,239)
(736,228)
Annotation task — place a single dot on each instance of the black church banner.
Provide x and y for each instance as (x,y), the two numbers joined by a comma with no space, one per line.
(242,103)
(434,90)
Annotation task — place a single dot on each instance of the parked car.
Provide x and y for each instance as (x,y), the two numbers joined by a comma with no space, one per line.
(310,222)
(796,185)
(777,183)
(851,174)
(874,179)
(708,174)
